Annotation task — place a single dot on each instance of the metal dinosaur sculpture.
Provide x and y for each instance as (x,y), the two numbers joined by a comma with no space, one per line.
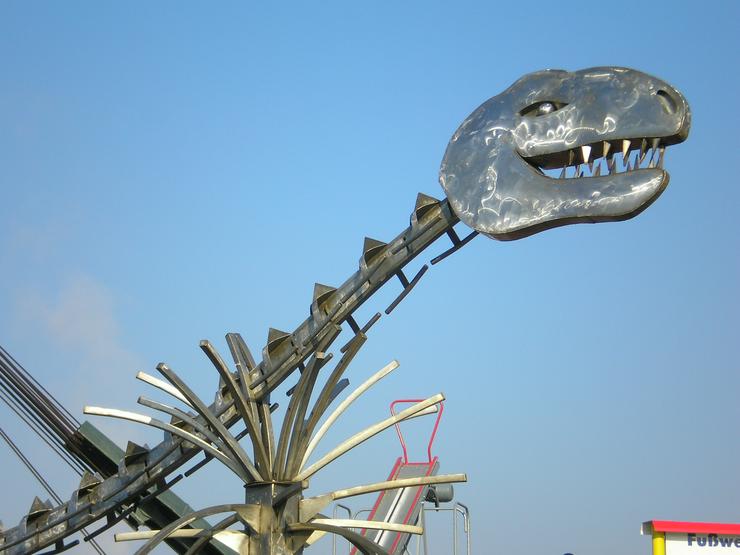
(555,148)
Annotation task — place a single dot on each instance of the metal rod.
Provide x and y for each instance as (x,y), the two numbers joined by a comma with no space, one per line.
(367,384)
(147,420)
(36,474)
(366,434)
(318,360)
(322,403)
(46,436)
(201,542)
(162,385)
(370,525)
(242,406)
(240,456)
(400,483)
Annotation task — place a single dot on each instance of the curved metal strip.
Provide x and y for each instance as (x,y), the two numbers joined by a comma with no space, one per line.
(367,384)
(177,413)
(245,364)
(202,536)
(165,532)
(149,421)
(366,434)
(317,362)
(164,386)
(243,405)
(218,427)
(325,397)
(366,546)
(370,525)
(401,483)
(201,542)
(312,505)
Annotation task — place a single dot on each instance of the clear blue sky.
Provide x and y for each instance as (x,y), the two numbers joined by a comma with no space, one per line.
(174,172)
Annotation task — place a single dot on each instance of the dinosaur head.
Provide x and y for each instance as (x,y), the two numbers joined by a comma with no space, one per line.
(561,147)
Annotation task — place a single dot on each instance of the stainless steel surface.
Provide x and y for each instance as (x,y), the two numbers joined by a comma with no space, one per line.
(563,121)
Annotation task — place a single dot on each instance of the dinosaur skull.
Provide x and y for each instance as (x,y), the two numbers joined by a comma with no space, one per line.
(562,147)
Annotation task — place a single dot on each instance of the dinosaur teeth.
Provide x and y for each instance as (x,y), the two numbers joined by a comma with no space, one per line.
(654,157)
(625,148)
(602,158)
(611,163)
(605,148)
(586,153)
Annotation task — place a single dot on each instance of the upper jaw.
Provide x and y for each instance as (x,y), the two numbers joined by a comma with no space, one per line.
(602,158)
(587,151)
(608,112)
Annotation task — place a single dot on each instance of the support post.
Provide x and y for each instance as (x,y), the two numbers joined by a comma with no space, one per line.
(658,543)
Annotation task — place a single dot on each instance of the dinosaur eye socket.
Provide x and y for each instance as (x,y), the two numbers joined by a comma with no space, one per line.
(542,108)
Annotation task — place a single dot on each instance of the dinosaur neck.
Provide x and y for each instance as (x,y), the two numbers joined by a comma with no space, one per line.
(379,263)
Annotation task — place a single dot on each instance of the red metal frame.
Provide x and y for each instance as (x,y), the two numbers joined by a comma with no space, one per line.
(404,461)
(398,427)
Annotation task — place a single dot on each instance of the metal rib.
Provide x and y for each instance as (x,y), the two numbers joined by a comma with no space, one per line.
(165,532)
(366,546)
(298,421)
(370,525)
(149,421)
(186,418)
(162,385)
(325,397)
(218,427)
(245,364)
(367,384)
(242,406)
(318,360)
(366,434)
(201,542)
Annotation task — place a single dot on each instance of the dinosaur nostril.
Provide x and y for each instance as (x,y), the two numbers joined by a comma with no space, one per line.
(669,103)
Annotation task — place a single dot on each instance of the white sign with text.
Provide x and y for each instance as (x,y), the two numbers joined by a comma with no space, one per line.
(683,543)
